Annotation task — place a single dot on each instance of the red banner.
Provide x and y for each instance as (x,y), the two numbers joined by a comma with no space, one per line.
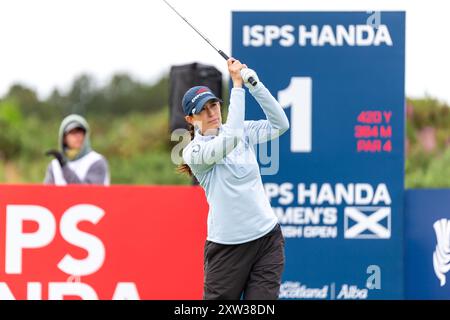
(118,242)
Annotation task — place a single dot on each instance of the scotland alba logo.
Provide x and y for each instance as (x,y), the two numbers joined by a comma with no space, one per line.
(441,256)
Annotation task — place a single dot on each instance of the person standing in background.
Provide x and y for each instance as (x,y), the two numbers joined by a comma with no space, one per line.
(75,162)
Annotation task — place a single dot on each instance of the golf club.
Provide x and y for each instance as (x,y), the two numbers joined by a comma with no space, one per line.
(223,54)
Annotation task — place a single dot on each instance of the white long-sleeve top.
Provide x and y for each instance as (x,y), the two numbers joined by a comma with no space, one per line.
(226,167)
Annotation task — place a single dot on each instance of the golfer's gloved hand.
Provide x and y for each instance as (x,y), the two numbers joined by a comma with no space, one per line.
(246,74)
(57,155)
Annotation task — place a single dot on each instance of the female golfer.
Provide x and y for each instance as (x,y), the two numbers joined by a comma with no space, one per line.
(244,250)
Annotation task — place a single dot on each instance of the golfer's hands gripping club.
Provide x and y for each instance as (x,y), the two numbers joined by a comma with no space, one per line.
(241,74)
(235,67)
(250,77)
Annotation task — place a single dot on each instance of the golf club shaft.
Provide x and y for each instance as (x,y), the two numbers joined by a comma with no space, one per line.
(223,54)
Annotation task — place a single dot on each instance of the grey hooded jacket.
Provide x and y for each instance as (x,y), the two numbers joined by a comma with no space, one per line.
(88,167)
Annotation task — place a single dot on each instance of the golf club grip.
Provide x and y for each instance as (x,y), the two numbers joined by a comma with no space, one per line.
(223,54)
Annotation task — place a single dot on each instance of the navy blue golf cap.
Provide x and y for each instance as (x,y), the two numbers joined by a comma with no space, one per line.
(195,99)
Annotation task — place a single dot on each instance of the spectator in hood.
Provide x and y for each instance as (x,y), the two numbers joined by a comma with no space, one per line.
(75,162)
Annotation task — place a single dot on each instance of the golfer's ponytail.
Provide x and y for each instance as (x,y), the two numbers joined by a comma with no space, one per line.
(184,168)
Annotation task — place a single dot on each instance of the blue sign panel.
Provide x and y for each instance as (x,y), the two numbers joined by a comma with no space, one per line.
(335,179)
(427,234)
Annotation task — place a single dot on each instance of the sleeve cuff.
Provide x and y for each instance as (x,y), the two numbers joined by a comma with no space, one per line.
(238,90)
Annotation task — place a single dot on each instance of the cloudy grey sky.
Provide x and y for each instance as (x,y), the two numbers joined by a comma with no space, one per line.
(46,43)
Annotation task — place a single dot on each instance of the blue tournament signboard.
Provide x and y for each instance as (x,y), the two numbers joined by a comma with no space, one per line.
(335,179)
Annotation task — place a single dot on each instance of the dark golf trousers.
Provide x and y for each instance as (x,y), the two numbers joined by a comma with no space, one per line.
(251,270)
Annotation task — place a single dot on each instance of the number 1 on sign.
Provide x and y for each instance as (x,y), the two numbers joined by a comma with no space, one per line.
(298,96)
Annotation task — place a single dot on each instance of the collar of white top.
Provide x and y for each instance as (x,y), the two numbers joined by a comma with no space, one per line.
(199,136)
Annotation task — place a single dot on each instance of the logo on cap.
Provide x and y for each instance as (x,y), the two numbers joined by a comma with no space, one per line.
(205,92)
(202,90)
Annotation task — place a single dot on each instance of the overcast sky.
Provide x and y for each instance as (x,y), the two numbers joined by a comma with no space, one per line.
(46,43)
